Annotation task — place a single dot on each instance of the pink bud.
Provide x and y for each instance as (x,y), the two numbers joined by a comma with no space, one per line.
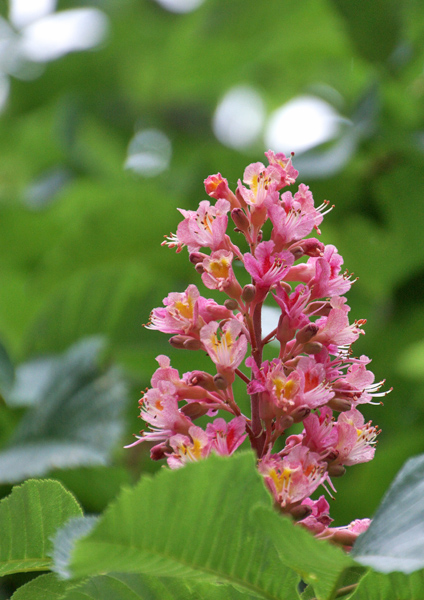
(192,344)
(220,382)
(248,292)
(231,304)
(300,512)
(312,348)
(194,410)
(240,219)
(336,470)
(305,334)
(340,404)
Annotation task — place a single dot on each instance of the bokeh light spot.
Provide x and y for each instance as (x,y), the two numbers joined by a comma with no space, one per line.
(149,153)
(180,6)
(301,124)
(239,118)
(67,31)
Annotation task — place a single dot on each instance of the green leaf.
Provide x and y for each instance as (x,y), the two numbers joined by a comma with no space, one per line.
(29,517)
(76,417)
(44,587)
(127,586)
(395,539)
(192,522)
(376,586)
(379,21)
(316,561)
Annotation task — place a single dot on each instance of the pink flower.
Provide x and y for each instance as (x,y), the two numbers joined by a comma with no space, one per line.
(186,313)
(261,180)
(162,414)
(219,275)
(288,225)
(227,346)
(292,311)
(335,330)
(288,173)
(293,477)
(267,267)
(204,228)
(226,437)
(216,187)
(356,439)
(188,448)
(322,274)
(319,519)
(348,441)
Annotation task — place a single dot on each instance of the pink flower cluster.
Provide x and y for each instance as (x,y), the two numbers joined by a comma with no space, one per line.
(314,379)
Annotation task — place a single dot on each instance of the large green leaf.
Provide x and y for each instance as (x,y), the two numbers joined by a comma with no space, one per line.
(395,539)
(129,586)
(76,417)
(193,522)
(376,586)
(317,562)
(28,519)
(43,587)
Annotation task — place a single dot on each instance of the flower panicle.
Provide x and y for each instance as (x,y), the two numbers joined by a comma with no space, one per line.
(314,378)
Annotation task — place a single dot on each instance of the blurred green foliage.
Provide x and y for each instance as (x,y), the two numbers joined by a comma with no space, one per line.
(80,235)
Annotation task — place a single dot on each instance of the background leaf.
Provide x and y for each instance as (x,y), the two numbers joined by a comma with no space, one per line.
(395,539)
(28,519)
(76,417)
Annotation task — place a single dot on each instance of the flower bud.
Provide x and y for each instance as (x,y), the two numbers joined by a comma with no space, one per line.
(300,512)
(202,379)
(318,309)
(312,247)
(231,304)
(343,537)
(194,410)
(197,257)
(248,292)
(284,332)
(159,451)
(200,268)
(285,422)
(184,341)
(305,334)
(240,219)
(297,252)
(339,404)
(336,470)
(192,344)
(177,341)
(312,348)
(220,382)
(300,413)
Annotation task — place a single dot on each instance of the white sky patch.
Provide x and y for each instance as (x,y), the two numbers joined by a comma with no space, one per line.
(180,6)
(302,124)
(149,153)
(270,317)
(24,12)
(53,36)
(239,117)
(4,91)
